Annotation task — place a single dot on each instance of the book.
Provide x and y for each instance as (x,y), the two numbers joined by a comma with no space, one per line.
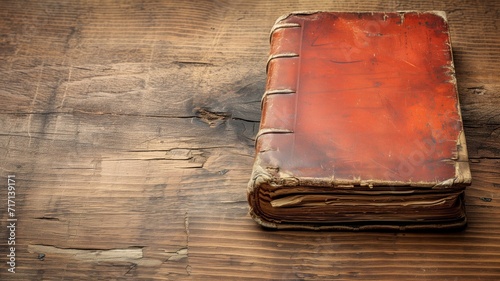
(361,126)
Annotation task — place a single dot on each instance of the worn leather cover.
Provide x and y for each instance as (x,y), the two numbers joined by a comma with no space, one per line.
(361,125)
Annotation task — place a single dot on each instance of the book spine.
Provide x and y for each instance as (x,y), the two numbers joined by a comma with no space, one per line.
(278,102)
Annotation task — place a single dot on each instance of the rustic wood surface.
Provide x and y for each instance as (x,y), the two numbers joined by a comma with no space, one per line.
(129,127)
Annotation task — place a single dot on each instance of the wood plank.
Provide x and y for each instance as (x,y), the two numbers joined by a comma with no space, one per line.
(130,126)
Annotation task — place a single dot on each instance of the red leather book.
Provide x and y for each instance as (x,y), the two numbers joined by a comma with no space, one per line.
(361,125)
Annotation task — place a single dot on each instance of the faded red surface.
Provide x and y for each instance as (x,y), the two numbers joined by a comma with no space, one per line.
(375,98)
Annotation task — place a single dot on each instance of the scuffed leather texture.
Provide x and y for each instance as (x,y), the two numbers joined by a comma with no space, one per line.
(370,89)
(355,101)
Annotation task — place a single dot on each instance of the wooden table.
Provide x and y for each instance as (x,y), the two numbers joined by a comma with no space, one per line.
(129,128)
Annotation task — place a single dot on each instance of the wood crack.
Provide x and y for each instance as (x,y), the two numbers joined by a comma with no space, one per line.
(245,120)
(178,255)
(212,118)
(484,157)
(47,218)
(200,63)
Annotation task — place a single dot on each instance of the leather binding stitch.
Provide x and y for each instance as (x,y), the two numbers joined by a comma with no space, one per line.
(272,131)
(284,91)
(277,91)
(277,56)
(282,25)
(274,92)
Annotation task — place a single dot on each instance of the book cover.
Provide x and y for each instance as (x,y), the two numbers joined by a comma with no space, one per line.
(361,125)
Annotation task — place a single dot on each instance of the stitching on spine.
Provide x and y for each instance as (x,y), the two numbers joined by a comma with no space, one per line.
(272,131)
(275,92)
(280,26)
(277,56)
(281,91)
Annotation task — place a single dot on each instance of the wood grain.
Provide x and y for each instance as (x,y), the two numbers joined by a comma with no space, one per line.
(129,126)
